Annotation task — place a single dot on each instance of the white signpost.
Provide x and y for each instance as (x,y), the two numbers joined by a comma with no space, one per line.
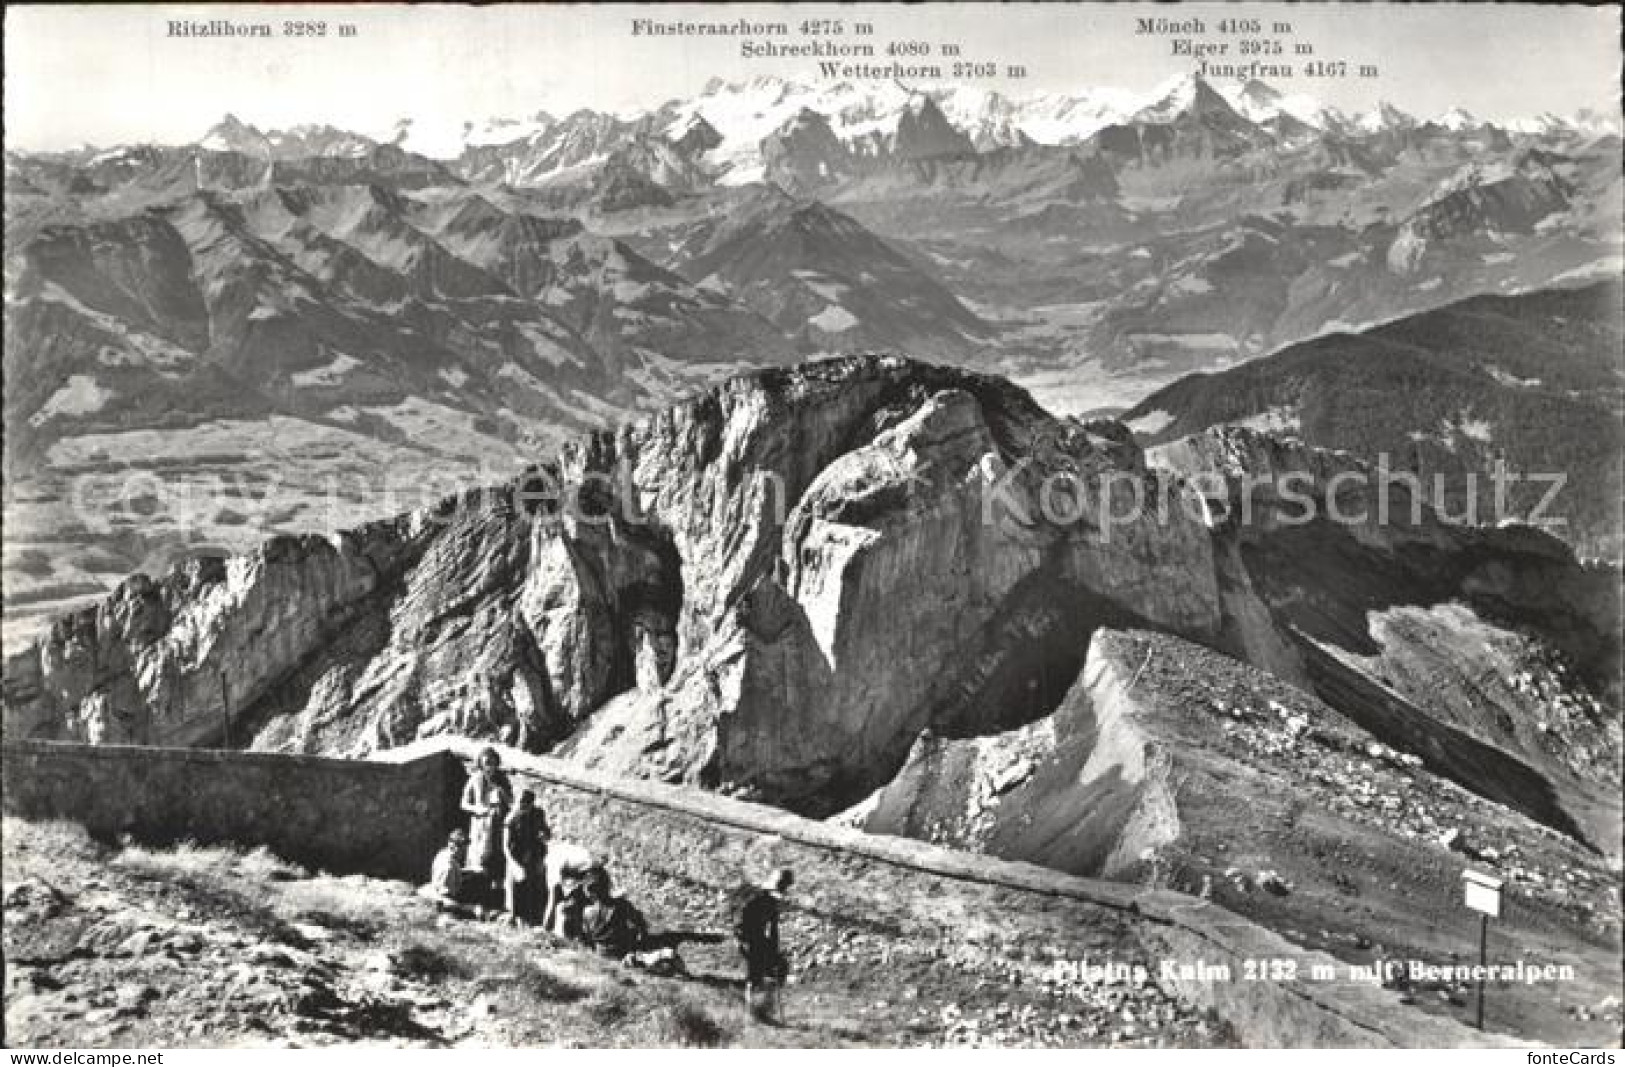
(1482,893)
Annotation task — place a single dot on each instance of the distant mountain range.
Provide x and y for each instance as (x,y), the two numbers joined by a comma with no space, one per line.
(341,303)
(728,123)
(307,425)
(879,119)
(432,303)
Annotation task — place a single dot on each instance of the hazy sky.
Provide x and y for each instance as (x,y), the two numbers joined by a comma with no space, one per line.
(109,74)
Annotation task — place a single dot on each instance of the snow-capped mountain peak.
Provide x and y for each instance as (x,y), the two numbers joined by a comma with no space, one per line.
(1383,117)
(1458,119)
(1170,99)
(1254,100)
(989,118)
(1066,118)
(1188,95)
(448,140)
(1544,123)
(1261,103)
(1596,123)
(719,134)
(231,134)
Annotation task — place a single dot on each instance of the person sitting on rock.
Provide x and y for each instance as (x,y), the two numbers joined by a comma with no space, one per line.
(487,798)
(567,867)
(756,927)
(448,881)
(524,843)
(571,905)
(611,924)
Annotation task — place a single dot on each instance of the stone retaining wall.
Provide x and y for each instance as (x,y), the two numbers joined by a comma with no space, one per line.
(329,814)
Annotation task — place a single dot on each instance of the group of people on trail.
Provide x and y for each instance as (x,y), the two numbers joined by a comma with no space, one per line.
(503,850)
(507,860)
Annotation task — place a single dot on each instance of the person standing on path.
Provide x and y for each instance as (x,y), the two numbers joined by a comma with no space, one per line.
(524,843)
(756,927)
(487,798)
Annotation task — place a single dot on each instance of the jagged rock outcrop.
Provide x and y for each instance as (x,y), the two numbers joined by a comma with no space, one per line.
(924,132)
(1085,789)
(174,661)
(774,586)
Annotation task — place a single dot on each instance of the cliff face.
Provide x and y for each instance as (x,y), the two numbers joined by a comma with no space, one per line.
(772,587)
(167,662)
(916,582)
